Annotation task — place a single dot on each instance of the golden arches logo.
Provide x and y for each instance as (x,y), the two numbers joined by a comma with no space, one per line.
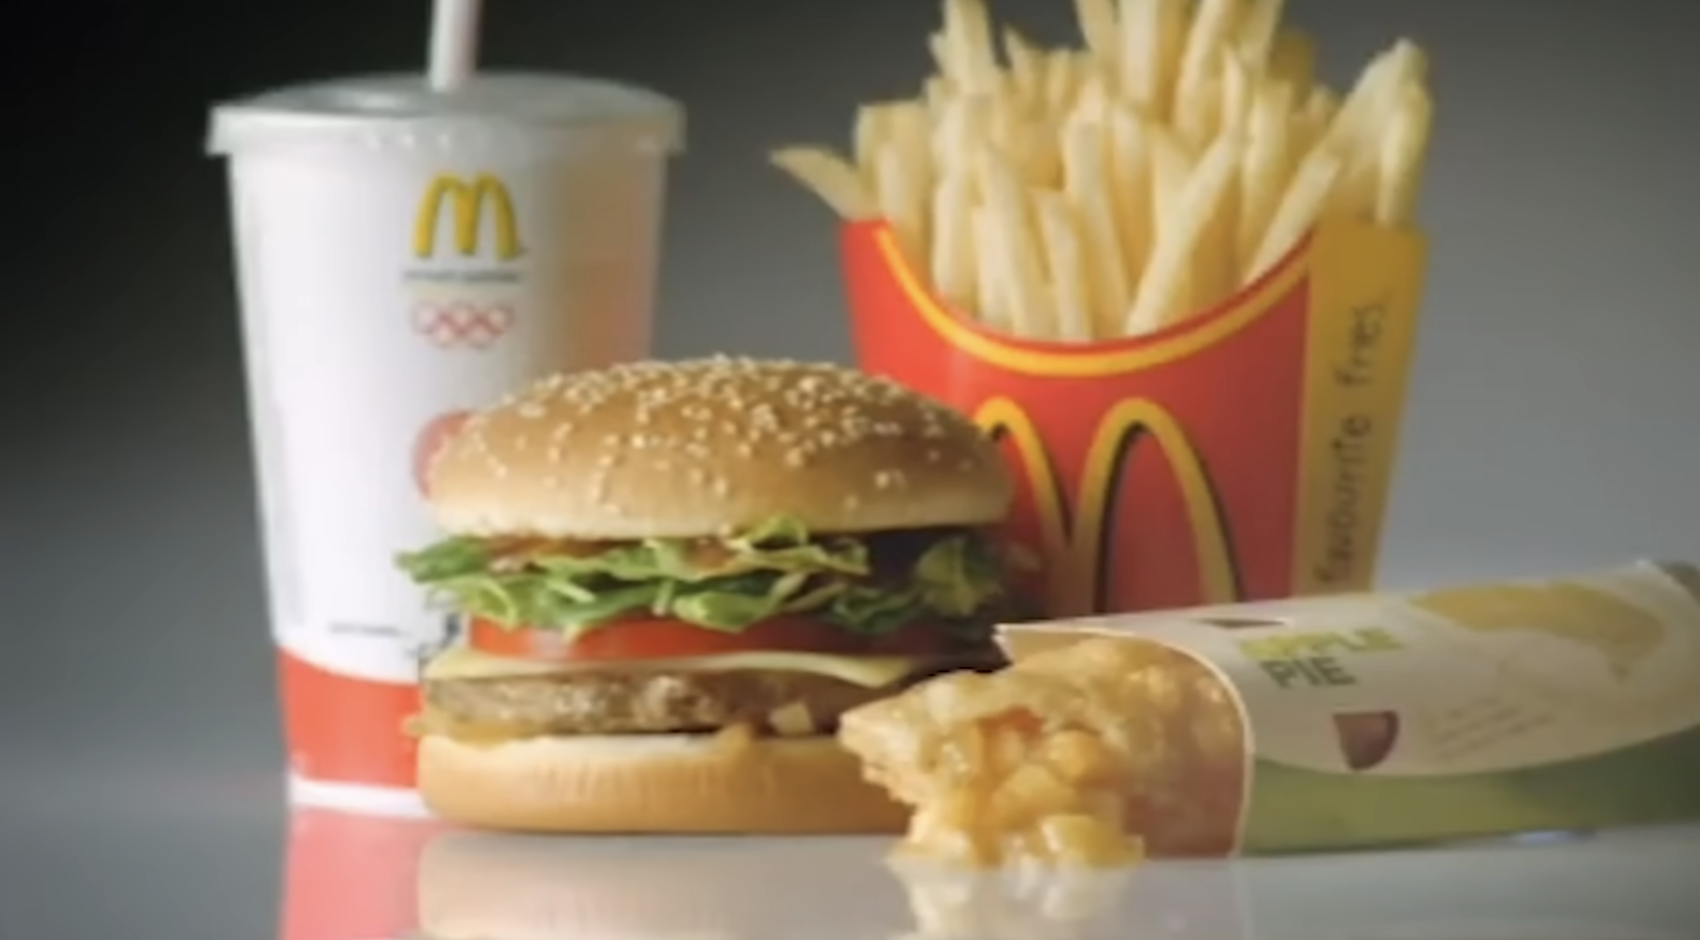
(468,198)
(1078,539)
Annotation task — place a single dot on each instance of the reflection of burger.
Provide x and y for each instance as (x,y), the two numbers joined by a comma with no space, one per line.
(678,575)
(490,886)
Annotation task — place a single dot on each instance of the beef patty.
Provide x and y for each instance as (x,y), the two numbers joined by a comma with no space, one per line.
(661,702)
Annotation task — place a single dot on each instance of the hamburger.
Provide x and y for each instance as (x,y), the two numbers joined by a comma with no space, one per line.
(674,577)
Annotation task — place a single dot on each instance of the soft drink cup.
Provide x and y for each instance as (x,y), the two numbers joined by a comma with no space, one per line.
(403,256)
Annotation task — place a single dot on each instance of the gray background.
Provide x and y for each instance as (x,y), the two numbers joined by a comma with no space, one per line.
(1549,425)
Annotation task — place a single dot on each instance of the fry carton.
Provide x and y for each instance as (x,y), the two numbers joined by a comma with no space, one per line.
(1371,719)
(1173,271)
(1242,454)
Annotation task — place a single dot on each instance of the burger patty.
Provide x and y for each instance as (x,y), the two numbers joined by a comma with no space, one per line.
(630,702)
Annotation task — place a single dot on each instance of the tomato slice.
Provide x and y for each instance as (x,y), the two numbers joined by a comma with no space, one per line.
(658,638)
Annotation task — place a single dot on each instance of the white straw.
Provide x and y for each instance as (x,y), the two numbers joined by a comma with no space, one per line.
(454,43)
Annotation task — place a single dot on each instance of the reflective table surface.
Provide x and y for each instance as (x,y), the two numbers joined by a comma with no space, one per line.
(225,859)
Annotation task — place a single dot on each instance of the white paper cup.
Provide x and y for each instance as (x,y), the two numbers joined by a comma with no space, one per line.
(405,256)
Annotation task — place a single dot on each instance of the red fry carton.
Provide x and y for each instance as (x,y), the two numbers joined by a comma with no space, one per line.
(1244,453)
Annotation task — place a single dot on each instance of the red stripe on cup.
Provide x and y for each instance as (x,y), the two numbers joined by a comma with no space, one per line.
(344,729)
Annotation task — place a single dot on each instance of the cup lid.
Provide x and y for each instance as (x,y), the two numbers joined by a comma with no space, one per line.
(530,111)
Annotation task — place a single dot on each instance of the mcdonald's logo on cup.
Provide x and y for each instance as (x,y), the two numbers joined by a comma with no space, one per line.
(1242,454)
(467,199)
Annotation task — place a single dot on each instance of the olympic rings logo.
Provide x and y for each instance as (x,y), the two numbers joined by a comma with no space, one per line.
(462,324)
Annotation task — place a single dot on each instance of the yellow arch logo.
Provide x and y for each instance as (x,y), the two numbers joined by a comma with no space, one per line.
(1078,540)
(468,199)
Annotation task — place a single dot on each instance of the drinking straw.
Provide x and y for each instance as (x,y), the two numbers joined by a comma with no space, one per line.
(454,43)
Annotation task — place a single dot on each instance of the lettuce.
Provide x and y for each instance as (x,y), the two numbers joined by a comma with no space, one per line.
(728,584)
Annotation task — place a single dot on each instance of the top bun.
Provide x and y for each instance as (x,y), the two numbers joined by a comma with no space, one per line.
(707,446)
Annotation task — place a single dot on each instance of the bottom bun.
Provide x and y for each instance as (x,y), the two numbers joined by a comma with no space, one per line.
(661,783)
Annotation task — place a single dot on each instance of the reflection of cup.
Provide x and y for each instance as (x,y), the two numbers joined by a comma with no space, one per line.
(404,256)
(1242,454)
(350,877)
(489,886)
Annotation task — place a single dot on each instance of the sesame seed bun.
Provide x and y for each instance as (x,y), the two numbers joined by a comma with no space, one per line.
(698,447)
(654,783)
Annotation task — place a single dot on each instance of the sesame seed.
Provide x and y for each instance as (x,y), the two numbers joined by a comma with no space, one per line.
(888,479)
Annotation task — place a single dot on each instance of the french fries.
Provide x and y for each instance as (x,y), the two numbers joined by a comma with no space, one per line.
(1080,195)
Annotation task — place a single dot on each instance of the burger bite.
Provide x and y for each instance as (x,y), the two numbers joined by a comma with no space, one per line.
(676,576)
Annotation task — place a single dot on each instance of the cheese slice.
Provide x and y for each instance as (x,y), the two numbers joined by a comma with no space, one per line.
(870,672)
